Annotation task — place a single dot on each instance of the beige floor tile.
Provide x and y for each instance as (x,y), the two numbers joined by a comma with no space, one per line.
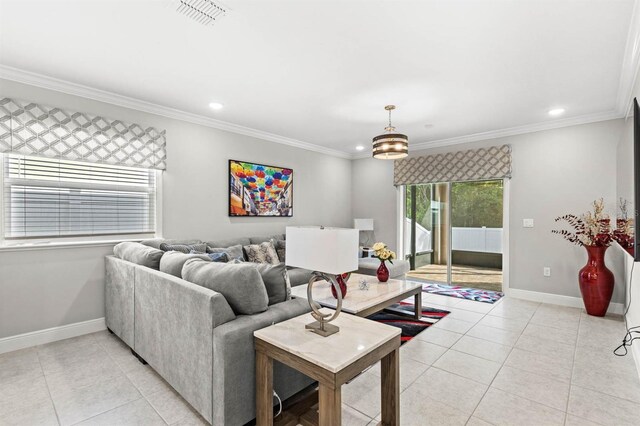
(475,421)
(448,388)
(80,404)
(59,358)
(605,380)
(439,337)
(473,306)
(600,408)
(493,334)
(416,410)
(410,370)
(545,347)
(440,300)
(417,350)
(482,348)
(363,394)
(41,414)
(83,373)
(556,334)
(19,365)
(454,325)
(555,319)
(536,387)
(468,316)
(572,420)
(548,365)
(23,393)
(138,412)
(469,366)
(515,325)
(501,408)
(146,379)
(171,406)
(351,417)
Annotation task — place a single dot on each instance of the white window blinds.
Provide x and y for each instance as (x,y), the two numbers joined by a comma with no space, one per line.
(46,197)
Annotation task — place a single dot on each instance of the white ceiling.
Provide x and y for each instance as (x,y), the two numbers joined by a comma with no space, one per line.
(321,71)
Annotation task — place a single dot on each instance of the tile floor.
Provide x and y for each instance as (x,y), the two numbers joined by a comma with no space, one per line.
(511,363)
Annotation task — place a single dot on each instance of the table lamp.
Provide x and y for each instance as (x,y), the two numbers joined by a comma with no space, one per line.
(327,252)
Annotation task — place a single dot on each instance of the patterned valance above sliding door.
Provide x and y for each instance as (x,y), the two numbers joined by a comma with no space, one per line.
(30,129)
(474,164)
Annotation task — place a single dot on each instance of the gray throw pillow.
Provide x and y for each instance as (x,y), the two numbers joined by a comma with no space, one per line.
(173,261)
(139,254)
(233,252)
(184,248)
(241,284)
(155,242)
(275,280)
(262,253)
(281,248)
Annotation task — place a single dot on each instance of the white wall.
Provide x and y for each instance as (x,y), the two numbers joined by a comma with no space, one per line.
(49,288)
(554,172)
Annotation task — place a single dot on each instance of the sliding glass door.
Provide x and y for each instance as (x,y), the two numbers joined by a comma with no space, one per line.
(453,233)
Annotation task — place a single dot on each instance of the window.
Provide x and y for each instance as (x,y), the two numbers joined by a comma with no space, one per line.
(52,198)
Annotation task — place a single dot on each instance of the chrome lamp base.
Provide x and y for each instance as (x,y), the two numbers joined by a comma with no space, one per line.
(322,328)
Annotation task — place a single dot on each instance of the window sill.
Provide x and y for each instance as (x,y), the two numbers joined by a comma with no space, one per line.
(60,245)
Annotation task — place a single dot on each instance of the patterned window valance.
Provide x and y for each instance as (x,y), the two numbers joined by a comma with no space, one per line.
(474,164)
(30,129)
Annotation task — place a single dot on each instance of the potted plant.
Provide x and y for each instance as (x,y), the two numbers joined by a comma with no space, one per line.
(592,231)
(382,253)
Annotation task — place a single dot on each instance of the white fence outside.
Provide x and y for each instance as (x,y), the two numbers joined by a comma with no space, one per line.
(483,240)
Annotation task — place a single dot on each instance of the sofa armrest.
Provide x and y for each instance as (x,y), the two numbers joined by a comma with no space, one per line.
(234,364)
(174,324)
(118,297)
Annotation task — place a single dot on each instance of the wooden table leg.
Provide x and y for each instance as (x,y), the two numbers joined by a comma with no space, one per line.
(418,304)
(390,388)
(264,389)
(329,405)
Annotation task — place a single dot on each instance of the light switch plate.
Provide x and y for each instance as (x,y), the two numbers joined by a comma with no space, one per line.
(527,223)
(546,271)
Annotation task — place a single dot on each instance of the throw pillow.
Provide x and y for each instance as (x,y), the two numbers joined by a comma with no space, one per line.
(281,247)
(218,257)
(240,284)
(173,261)
(184,248)
(155,242)
(233,252)
(139,254)
(275,280)
(262,253)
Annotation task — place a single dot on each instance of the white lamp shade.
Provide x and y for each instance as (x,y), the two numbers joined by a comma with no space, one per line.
(363,224)
(329,250)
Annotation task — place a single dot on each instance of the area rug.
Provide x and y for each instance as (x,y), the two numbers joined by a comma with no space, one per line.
(477,294)
(410,327)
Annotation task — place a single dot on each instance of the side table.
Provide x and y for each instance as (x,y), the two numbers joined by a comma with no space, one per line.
(332,361)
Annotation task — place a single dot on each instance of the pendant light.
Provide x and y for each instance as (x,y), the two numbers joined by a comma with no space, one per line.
(390,145)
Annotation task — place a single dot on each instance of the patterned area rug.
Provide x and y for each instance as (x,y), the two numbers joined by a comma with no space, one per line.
(477,294)
(410,327)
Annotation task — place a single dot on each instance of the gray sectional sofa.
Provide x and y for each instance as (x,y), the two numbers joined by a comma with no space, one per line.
(191,336)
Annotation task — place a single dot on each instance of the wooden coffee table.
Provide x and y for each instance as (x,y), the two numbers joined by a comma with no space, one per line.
(332,361)
(363,303)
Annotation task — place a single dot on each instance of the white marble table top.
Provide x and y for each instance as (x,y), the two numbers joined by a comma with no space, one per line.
(356,338)
(357,300)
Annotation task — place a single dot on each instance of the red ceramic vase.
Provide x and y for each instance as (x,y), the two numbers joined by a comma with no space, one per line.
(383,272)
(342,284)
(596,282)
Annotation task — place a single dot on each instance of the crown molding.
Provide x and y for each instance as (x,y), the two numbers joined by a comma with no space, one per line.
(58,85)
(630,64)
(511,131)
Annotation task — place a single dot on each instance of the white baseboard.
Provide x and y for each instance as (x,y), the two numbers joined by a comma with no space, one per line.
(34,338)
(557,299)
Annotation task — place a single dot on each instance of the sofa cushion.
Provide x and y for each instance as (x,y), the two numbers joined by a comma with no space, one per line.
(242,241)
(184,248)
(299,276)
(281,249)
(276,281)
(241,284)
(233,252)
(262,253)
(139,254)
(258,240)
(155,242)
(173,261)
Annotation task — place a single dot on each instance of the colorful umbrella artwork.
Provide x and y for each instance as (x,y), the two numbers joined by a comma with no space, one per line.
(260,190)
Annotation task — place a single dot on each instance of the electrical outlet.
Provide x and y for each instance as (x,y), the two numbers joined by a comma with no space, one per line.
(546,271)
(527,223)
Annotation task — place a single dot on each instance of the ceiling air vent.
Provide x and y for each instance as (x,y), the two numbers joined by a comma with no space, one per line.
(205,12)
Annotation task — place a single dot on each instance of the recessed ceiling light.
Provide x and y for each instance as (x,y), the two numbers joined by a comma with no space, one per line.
(359,147)
(215,105)
(556,112)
